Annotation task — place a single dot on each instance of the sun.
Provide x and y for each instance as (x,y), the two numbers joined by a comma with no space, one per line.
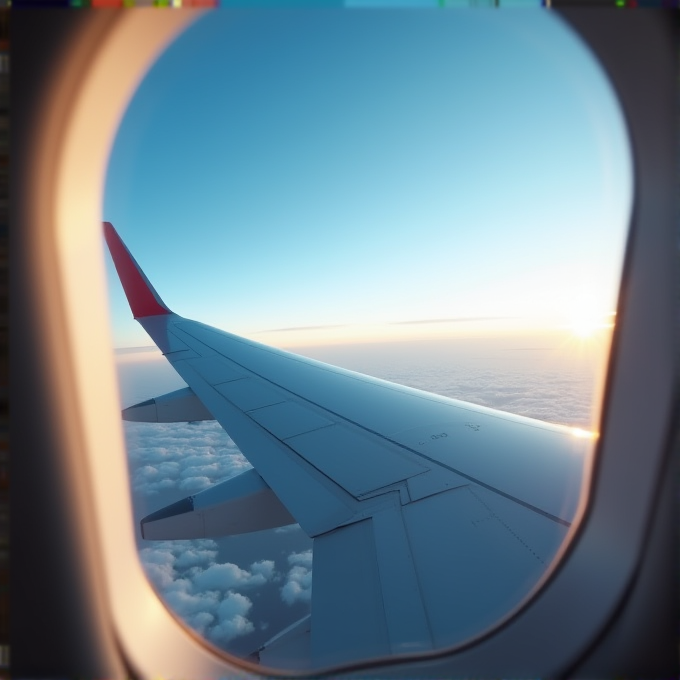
(584,327)
(586,324)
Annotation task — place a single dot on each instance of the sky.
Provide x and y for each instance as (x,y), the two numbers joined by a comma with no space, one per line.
(435,198)
(355,175)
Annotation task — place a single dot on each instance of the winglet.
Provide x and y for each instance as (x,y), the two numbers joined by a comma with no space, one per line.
(143,299)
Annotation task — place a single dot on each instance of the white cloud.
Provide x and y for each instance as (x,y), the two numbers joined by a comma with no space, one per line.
(535,375)
(195,484)
(302,558)
(264,567)
(298,586)
(233,605)
(193,557)
(226,576)
(232,621)
(185,603)
(167,456)
(563,395)
(200,622)
(200,590)
(161,575)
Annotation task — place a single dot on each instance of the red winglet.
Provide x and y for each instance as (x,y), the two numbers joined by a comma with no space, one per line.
(143,299)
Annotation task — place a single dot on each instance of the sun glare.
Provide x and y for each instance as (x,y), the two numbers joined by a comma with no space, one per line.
(584,434)
(587,324)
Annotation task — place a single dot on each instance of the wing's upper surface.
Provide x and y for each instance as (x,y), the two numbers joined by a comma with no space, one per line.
(432,518)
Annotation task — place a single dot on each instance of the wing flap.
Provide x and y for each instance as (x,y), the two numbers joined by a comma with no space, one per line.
(347,606)
(425,575)
(240,505)
(407,622)
(485,561)
(175,407)
(289,648)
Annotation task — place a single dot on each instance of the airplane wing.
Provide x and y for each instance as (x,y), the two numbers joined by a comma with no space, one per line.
(432,518)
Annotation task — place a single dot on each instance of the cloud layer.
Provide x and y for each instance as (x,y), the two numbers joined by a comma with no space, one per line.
(298,586)
(543,377)
(212,597)
(185,456)
(203,591)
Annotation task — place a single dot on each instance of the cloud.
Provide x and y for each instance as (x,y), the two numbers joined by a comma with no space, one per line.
(539,375)
(136,350)
(304,559)
(301,328)
(188,457)
(264,568)
(563,395)
(209,595)
(195,557)
(226,576)
(544,395)
(298,586)
(232,619)
(200,622)
(455,319)
(202,591)
(195,484)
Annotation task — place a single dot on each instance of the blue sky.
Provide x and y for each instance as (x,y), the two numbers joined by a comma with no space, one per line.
(359,169)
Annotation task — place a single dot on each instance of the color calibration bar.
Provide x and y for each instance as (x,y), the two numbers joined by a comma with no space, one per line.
(442,4)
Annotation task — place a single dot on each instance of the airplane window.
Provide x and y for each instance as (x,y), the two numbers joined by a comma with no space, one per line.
(435,199)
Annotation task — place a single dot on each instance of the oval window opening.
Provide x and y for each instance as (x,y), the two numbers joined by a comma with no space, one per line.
(436,200)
